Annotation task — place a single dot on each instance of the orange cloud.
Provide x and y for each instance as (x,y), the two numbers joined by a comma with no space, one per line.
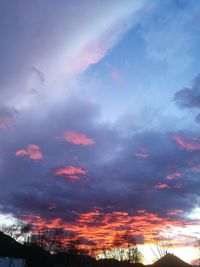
(101,227)
(71,172)
(32,151)
(189,146)
(77,138)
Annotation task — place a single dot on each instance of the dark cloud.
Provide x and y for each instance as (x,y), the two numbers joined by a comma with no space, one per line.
(190,97)
(39,74)
(115,180)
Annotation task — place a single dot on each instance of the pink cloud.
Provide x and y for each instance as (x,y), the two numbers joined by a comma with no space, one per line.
(77,138)
(73,177)
(32,151)
(161,186)
(88,55)
(72,173)
(190,146)
(21,153)
(173,175)
(174,212)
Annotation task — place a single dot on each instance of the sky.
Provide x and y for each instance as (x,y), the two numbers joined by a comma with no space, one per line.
(100,116)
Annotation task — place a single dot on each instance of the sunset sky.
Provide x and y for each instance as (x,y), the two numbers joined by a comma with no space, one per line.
(100,118)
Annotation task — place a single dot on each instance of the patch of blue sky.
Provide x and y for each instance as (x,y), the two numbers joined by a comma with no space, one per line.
(153,60)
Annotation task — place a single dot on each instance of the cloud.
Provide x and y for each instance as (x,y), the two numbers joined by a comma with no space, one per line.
(161,186)
(77,138)
(174,212)
(125,170)
(32,151)
(6,117)
(39,74)
(173,176)
(142,154)
(5,122)
(56,45)
(99,227)
(189,146)
(178,186)
(116,176)
(190,97)
(72,173)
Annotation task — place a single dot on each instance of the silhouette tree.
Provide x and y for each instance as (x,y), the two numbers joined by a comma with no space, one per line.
(197,247)
(160,247)
(48,239)
(125,248)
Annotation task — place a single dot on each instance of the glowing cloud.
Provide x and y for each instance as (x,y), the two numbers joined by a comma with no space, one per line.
(21,153)
(161,186)
(101,227)
(71,172)
(77,138)
(189,146)
(32,151)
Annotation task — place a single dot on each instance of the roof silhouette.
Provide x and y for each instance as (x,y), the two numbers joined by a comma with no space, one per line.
(170,260)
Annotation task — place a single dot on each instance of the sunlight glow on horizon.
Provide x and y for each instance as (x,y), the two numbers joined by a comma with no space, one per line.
(149,250)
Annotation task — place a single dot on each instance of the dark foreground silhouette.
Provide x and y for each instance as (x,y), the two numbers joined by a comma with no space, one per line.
(37,257)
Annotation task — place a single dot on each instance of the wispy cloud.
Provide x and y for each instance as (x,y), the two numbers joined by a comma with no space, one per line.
(173,175)
(191,145)
(63,51)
